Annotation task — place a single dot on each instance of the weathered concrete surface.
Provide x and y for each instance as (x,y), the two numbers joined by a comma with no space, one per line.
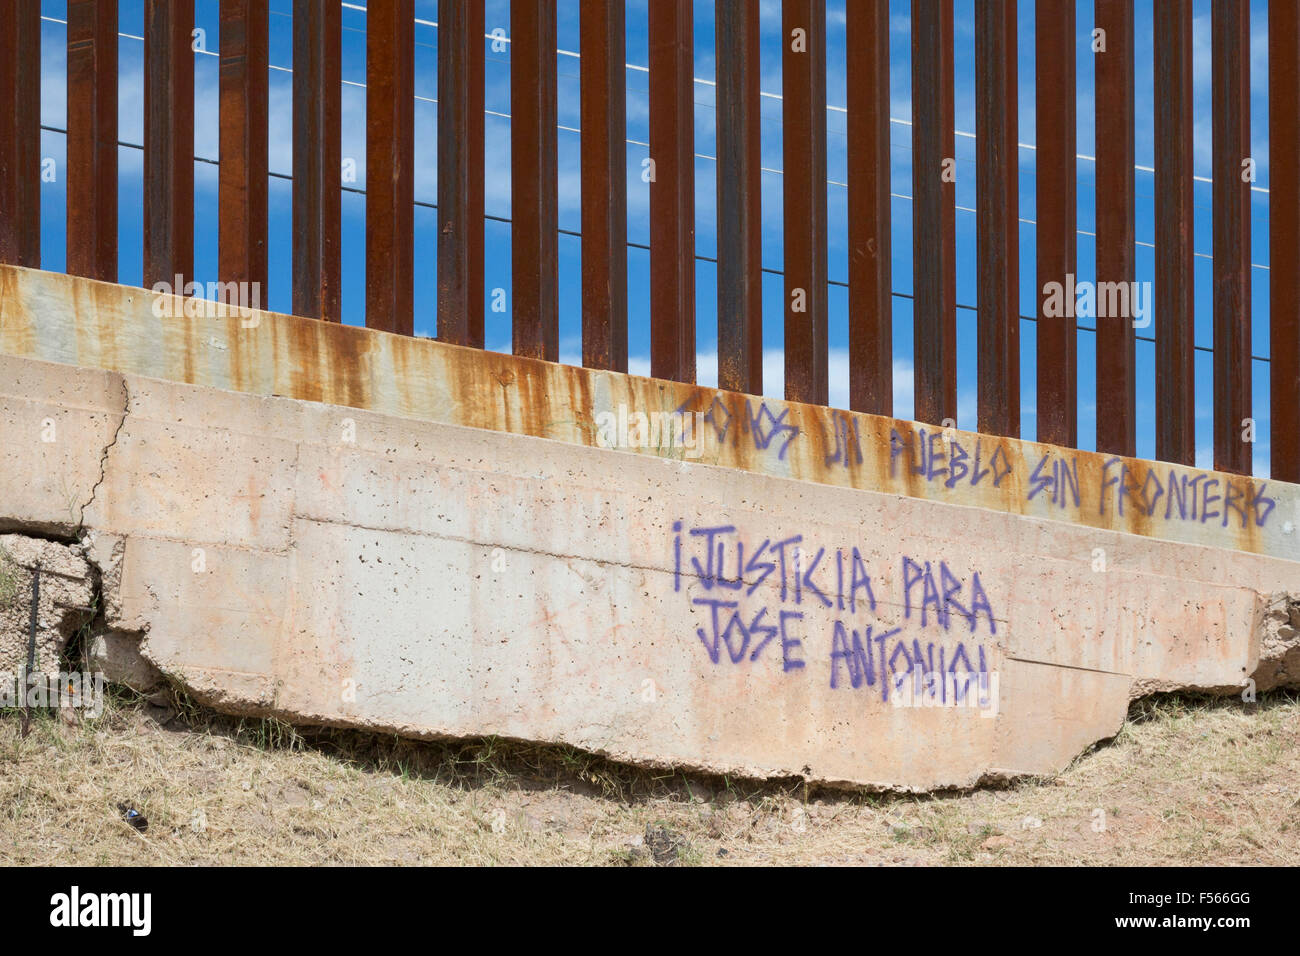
(340,566)
(76,321)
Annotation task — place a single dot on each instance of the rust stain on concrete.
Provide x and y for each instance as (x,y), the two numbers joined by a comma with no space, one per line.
(362,368)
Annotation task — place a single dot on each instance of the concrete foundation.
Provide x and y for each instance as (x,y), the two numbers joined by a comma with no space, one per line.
(355,567)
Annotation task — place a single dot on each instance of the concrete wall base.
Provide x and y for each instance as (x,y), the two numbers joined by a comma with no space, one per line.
(337,566)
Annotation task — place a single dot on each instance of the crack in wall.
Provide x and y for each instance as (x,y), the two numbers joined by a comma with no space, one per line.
(78,534)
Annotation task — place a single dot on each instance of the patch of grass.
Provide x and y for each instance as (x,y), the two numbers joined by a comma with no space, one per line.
(9,580)
(1186,781)
(269,733)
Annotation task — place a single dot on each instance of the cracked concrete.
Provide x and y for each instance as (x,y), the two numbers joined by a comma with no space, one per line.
(67,600)
(435,580)
(103,457)
(78,614)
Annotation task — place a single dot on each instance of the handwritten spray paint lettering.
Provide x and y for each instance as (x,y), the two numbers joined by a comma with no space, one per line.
(1199,498)
(758,425)
(941,661)
(947,462)
(932,456)
(1172,495)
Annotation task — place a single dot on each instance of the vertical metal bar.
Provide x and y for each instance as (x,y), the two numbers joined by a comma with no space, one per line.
(1054,92)
(460,300)
(92,139)
(740,187)
(604,184)
(477,196)
(997,218)
(168,143)
(871,328)
(739,192)
(534,184)
(26,681)
(1284,238)
(1174,318)
(672,190)
(934,213)
(1230,82)
(32,618)
(317,160)
(20,133)
(1116,200)
(390,158)
(803,86)
(242,175)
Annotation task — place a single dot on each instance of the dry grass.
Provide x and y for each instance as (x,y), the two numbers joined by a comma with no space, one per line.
(1187,781)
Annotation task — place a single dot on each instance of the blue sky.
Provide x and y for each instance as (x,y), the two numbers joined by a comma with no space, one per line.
(277,295)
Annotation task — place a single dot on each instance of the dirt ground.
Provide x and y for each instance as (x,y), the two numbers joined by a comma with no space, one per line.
(1187,781)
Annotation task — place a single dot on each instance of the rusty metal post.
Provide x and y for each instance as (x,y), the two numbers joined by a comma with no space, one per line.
(20,133)
(604,184)
(242,176)
(803,86)
(390,160)
(871,326)
(672,190)
(317,160)
(998,218)
(460,157)
(92,139)
(740,188)
(1116,199)
(168,143)
(1175,276)
(1230,82)
(934,213)
(1284,238)
(474,124)
(1054,29)
(534,183)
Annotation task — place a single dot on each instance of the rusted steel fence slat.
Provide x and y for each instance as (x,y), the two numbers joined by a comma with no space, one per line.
(604,185)
(997,224)
(1284,239)
(934,211)
(871,336)
(803,84)
(317,160)
(477,195)
(1057,400)
(1173,318)
(672,191)
(92,139)
(168,143)
(460,257)
(533,178)
(740,237)
(1116,263)
(242,180)
(20,133)
(390,157)
(1230,83)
